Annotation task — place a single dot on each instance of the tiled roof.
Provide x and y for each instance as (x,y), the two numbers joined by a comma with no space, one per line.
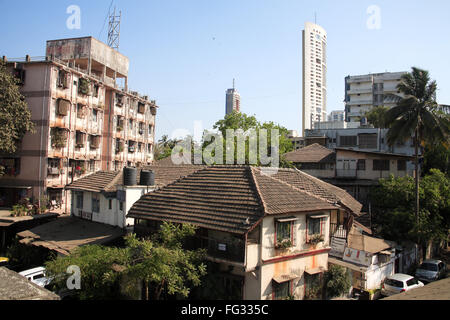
(279,196)
(365,243)
(319,188)
(227,198)
(108,181)
(314,153)
(95,182)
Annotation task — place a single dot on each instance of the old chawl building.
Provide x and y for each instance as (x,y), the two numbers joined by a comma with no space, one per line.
(267,236)
(86,120)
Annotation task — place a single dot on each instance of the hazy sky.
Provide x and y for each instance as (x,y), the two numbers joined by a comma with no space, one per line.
(185,53)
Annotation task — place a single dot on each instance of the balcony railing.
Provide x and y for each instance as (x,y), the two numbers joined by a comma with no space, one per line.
(338,231)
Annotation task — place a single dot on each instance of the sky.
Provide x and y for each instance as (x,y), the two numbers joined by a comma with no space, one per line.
(185,53)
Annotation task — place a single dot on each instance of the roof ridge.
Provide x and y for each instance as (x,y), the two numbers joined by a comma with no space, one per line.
(320,182)
(113,181)
(258,190)
(297,189)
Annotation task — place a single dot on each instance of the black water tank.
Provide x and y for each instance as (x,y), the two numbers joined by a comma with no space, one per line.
(147,178)
(129,176)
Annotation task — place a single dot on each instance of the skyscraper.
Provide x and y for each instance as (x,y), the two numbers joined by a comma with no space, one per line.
(314,75)
(233,100)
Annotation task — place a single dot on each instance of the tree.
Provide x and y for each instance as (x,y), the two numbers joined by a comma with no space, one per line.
(241,121)
(377,116)
(160,263)
(15,116)
(337,281)
(394,214)
(416,114)
(436,156)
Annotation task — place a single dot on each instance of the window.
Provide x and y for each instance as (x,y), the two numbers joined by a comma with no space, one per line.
(348,141)
(411,282)
(110,204)
(79,200)
(368,141)
(94,115)
(314,226)
(121,205)
(361,165)
(95,204)
(401,165)
(381,165)
(281,290)
(283,231)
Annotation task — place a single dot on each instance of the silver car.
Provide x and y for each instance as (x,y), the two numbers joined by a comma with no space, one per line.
(431,270)
(398,283)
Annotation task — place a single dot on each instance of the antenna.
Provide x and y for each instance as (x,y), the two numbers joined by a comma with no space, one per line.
(233,84)
(114,29)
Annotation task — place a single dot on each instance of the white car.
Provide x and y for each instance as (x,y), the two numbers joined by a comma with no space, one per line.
(399,283)
(37,276)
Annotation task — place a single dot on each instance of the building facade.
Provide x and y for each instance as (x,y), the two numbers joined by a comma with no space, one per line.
(363,92)
(85,121)
(314,75)
(262,245)
(337,115)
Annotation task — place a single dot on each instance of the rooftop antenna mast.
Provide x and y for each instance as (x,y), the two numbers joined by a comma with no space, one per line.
(114,29)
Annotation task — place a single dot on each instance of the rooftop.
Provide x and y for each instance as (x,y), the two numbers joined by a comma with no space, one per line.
(235,198)
(67,233)
(17,287)
(314,153)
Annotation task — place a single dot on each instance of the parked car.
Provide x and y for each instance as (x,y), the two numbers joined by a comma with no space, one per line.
(431,270)
(4,261)
(398,283)
(37,276)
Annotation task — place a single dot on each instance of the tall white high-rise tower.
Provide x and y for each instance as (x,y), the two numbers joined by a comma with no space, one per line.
(314,75)
(233,101)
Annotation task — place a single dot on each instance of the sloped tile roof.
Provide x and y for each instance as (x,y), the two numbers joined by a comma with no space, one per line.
(219,198)
(279,196)
(319,188)
(314,153)
(95,182)
(228,198)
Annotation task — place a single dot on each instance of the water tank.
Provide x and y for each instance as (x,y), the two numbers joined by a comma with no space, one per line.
(129,176)
(147,178)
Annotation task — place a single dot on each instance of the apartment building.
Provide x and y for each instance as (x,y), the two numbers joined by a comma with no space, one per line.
(337,115)
(363,92)
(314,75)
(86,120)
(232,101)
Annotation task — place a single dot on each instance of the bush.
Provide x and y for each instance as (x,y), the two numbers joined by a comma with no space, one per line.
(337,281)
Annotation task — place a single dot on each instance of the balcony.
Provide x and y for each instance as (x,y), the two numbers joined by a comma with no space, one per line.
(338,231)
(360,102)
(224,249)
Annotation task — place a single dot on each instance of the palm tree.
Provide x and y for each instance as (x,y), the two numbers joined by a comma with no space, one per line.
(416,115)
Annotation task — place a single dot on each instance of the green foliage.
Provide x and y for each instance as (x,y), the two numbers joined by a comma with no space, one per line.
(286,243)
(377,117)
(19,210)
(59,138)
(237,120)
(84,86)
(337,281)
(161,263)
(15,116)
(23,257)
(437,156)
(316,238)
(393,205)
